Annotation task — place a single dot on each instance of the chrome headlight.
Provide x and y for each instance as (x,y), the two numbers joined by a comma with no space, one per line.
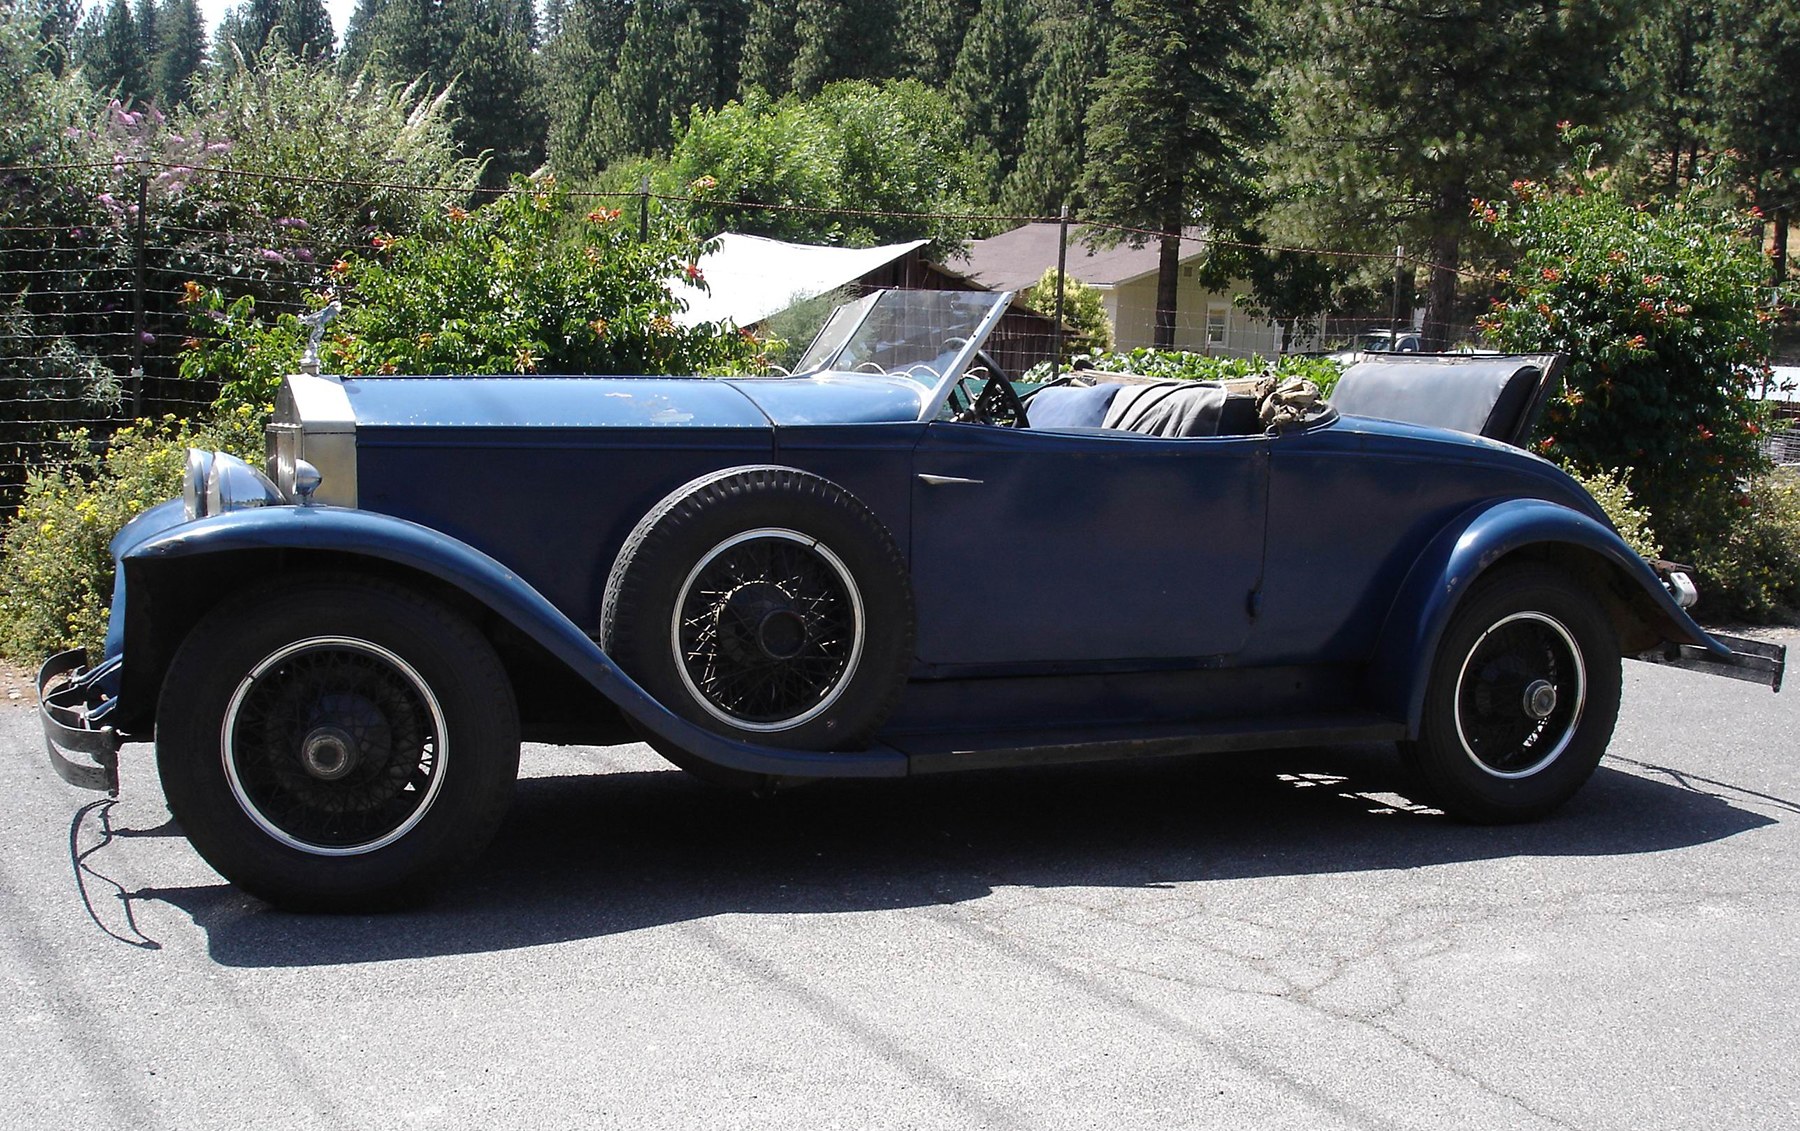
(215,483)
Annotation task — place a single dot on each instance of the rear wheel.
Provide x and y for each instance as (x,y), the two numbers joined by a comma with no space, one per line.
(1523,697)
(336,744)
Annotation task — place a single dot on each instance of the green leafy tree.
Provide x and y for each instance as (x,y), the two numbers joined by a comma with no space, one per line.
(992,80)
(890,151)
(1083,311)
(1662,312)
(1173,127)
(1757,101)
(1405,110)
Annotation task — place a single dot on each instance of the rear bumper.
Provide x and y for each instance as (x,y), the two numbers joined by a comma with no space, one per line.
(1755,661)
(73,703)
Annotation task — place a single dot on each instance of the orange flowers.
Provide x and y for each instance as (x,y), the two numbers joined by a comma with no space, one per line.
(693,273)
(191,292)
(603,215)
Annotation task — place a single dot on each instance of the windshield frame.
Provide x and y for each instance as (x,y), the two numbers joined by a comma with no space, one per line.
(859,311)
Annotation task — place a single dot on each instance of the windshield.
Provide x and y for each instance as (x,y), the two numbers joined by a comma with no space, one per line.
(1378,341)
(916,334)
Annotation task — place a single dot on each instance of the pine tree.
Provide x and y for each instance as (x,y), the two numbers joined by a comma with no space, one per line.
(304,30)
(144,17)
(931,33)
(768,59)
(579,65)
(1048,172)
(992,81)
(841,39)
(1758,105)
(112,54)
(644,94)
(1408,110)
(1664,71)
(181,51)
(359,34)
(497,97)
(1173,126)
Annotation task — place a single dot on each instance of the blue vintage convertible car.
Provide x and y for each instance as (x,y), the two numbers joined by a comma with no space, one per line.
(883,565)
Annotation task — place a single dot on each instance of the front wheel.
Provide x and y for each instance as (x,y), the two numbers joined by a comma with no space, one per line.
(336,744)
(1523,696)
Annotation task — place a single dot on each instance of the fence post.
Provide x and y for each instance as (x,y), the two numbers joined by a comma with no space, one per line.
(1062,264)
(138,327)
(1399,265)
(644,209)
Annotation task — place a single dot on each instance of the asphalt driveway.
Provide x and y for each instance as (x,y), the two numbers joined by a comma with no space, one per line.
(1284,941)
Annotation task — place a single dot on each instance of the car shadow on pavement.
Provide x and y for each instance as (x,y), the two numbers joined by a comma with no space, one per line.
(588,856)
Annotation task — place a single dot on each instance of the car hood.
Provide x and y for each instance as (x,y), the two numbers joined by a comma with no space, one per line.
(629,402)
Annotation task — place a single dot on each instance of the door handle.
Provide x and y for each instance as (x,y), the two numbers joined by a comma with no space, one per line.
(944,480)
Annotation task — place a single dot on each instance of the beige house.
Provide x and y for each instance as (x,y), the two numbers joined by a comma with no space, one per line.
(1206,321)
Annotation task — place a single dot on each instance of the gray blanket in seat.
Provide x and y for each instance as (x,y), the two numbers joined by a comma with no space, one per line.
(1168,408)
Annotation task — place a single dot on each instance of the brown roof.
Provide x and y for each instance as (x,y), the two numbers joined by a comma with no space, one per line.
(1014,260)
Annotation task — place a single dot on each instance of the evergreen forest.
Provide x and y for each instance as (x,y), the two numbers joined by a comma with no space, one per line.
(1335,125)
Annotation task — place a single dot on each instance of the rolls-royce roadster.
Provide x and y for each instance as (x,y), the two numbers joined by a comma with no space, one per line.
(890,562)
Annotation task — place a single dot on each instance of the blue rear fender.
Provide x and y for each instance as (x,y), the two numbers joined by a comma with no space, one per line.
(231,548)
(1485,536)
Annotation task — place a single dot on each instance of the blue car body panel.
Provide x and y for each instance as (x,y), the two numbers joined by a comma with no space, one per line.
(1061,577)
(366,534)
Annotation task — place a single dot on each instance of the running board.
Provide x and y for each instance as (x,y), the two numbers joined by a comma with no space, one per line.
(1755,661)
(929,753)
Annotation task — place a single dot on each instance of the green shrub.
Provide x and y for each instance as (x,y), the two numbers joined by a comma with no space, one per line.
(1184,366)
(1083,308)
(1753,572)
(56,576)
(522,285)
(1662,311)
(1612,490)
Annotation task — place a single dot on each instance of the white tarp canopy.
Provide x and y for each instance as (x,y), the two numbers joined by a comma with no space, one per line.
(750,278)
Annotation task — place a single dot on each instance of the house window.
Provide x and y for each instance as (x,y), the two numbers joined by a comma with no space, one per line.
(1215,325)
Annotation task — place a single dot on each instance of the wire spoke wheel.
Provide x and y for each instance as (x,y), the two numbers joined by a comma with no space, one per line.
(1520,694)
(767,629)
(334,746)
(1522,697)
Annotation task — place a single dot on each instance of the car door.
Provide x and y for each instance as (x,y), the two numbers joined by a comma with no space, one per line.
(1067,548)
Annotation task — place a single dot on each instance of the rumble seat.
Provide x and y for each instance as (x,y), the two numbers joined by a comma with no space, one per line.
(1497,396)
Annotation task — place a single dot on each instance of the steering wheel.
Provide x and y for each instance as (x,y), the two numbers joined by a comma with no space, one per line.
(997,403)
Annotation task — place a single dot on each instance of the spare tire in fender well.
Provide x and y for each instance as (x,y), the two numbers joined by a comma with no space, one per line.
(764,603)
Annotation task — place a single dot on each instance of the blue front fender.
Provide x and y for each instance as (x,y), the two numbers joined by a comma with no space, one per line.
(1468,547)
(371,535)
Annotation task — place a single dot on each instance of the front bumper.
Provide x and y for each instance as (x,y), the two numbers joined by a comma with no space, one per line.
(73,704)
